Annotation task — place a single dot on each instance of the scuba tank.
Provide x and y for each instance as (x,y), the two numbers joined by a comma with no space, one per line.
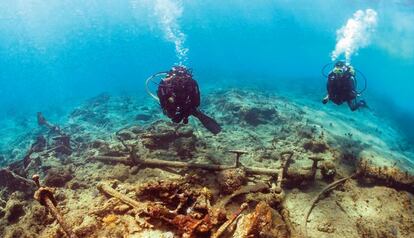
(181,72)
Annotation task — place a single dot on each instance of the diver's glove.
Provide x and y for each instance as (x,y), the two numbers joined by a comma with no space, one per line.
(325,99)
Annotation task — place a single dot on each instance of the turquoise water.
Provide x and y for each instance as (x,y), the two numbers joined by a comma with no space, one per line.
(55,54)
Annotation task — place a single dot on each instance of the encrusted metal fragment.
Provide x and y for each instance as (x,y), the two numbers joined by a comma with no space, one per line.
(44,195)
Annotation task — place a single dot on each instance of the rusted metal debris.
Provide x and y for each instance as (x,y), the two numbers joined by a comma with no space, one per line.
(185,206)
(44,195)
(233,218)
(178,164)
(11,179)
(108,190)
(41,121)
(388,176)
(238,153)
(319,196)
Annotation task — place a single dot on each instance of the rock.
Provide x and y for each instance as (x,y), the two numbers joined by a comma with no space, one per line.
(133,227)
(306,131)
(256,116)
(366,228)
(315,146)
(17,232)
(170,138)
(369,174)
(58,177)
(136,129)
(9,181)
(185,131)
(122,209)
(134,170)
(60,196)
(264,222)
(40,144)
(109,219)
(119,172)
(230,180)
(2,213)
(328,170)
(14,210)
(87,227)
(184,147)
(326,227)
(74,185)
(114,150)
(2,203)
(106,208)
(39,214)
(99,100)
(273,199)
(96,144)
(143,117)
(243,107)
(126,135)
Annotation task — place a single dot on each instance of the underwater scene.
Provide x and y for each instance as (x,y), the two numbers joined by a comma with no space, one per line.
(222,119)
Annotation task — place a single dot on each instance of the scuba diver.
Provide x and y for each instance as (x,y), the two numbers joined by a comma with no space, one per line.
(179,97)
(341,87)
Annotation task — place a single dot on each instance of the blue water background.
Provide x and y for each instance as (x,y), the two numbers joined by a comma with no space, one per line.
(54,54)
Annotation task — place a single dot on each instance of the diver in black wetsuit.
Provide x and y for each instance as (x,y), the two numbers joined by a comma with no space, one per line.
(179,97)
(341,87)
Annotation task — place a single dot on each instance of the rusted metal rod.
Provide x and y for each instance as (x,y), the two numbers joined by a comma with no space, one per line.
(8,174)
(108,190)
(284,163)
(238,154)
(178,164)
(319,196)
(234,217)
(44,196)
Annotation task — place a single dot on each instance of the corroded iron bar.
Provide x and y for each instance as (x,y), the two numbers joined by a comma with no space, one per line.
(44,196)
(108,190)
(178,164)
(56,214)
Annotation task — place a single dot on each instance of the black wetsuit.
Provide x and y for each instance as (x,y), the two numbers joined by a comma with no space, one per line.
(179,97)
(341,88)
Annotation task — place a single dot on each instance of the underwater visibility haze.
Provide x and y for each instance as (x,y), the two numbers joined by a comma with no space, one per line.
(77,112)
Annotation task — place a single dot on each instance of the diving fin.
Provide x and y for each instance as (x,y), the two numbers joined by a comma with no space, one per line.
(208,122)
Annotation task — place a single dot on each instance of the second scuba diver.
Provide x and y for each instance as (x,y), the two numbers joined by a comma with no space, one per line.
(179,97)
(341,87)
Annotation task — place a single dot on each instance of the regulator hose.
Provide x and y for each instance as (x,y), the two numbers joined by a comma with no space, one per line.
(151,78)
(323,69)
(365,81)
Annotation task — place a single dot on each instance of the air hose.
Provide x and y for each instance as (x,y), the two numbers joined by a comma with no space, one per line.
(152,80)
(365,80)
(323,69)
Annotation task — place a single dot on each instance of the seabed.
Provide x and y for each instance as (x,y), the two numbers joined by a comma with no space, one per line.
(281,168)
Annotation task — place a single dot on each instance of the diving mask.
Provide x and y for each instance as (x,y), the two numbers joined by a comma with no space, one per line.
(339,70)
